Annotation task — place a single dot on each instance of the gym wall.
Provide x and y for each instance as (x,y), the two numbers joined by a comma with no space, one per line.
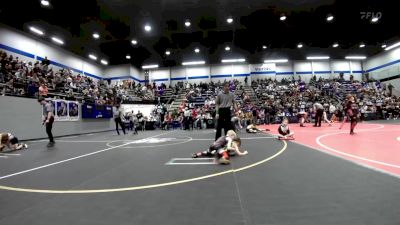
(23,117)
(29,48)
(385,65)
(221,72)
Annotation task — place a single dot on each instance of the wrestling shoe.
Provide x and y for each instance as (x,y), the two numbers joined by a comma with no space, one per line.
(25,145)
(223,161)
(50,144)
(194,155)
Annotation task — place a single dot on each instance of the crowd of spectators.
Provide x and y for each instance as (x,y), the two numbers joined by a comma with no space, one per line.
(197,109)
(286,98)
(30,79)
(275,100)
(289,97)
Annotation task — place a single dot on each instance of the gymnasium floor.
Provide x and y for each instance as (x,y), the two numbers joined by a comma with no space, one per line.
(150,179)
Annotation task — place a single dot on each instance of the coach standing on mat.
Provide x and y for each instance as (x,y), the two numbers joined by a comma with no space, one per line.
(319,111)
(48,118)
(223,104)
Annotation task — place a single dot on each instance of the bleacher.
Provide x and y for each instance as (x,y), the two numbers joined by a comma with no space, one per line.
(168,96)
(28,86)
(175,104)
(345,88)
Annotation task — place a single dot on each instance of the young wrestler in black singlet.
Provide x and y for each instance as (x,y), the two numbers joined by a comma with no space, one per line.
(352,112)
(284,130)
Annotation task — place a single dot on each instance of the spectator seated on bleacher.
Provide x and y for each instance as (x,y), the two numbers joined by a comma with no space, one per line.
(22,78)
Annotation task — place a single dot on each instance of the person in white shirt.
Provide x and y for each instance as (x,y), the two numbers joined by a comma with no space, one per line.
(69,79)
(135,123)
(302,113)
(332,109)
(325,116)
(200,118)
(188,118)
(72,85)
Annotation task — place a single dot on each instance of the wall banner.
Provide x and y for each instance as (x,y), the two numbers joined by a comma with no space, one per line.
(65,110)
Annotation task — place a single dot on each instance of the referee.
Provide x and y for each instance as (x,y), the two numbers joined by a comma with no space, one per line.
(48,120)
(319,111)
(225,100)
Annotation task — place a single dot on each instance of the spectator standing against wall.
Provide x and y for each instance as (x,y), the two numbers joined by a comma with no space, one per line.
(332,110)
(45,61)
(390,88)
(223,104)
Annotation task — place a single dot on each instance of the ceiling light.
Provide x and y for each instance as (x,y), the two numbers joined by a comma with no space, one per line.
(96,35)
(329,17)
(335,45)
(355,57)
(57,40)
(362,45)
(128,57)
(93,57)
(45,2)
(168,53)
(187,23)
(374,19)
(193,63)
(283,17)
(393,46)
(147,28)
(35,30)
(149,66)
(264,47)
(233,60)
(104,62)
(300,45)
(229,20)
(227,48)
(317,57)
(197,50)
(276,61)
(383,46)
